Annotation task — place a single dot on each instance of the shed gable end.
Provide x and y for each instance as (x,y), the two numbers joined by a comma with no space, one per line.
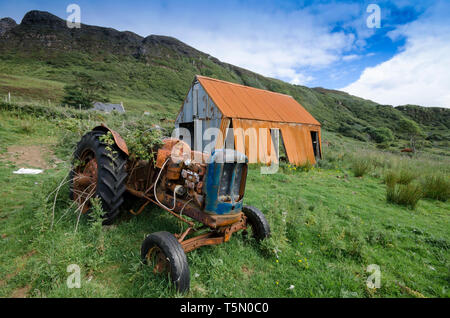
(198,105)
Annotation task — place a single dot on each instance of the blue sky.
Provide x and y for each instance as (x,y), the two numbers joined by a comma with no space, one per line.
(312,43)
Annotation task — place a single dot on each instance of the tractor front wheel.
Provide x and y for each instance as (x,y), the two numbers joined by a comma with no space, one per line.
(163,252)
(257,221)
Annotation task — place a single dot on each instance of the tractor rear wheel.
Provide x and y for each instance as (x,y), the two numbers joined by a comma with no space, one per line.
(164,253)
(257,221)
(98,171)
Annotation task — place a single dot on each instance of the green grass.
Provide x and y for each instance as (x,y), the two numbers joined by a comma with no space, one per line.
(361,166)
(327,227)
(404,194)
(436,187)
(401,175)
(161,83)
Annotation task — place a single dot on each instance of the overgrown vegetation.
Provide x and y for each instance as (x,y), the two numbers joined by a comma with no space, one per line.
(436,187)
(328,222)
(84,92)
(361,166)
(404,194)
(158,84)
(327,227)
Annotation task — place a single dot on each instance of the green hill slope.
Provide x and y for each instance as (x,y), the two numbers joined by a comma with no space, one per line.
(40,55)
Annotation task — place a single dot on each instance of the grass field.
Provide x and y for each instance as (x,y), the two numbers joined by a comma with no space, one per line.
(327,227)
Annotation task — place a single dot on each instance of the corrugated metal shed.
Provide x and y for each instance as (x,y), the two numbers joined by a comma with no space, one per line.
(244,113)
(238,101)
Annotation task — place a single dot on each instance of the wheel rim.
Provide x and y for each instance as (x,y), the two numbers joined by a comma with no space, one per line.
(157,260)
(85,180)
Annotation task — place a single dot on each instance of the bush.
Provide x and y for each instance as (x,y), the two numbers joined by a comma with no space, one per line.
(84,92)
(380,135)
(361,166)
(351,131)
(403,176)
(407,195)
(436,187)
(390,178)
(26,127)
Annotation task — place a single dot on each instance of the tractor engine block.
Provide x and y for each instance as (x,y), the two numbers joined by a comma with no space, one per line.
(185,172)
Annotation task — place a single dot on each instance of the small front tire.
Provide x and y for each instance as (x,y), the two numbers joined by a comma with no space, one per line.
(166,252)
(257,221)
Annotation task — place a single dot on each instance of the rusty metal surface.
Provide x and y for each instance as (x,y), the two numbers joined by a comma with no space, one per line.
(212,221)
(214,237)
(156,258)
(117,138)
(175,149)
(140,174)
(85,181)
(201,240)
(224,124)
(296,139)
(238,101)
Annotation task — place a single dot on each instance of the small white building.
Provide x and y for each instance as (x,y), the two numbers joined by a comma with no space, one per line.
(107,108)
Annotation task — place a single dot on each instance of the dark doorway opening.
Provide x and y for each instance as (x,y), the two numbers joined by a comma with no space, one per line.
(315,144)
(190,127)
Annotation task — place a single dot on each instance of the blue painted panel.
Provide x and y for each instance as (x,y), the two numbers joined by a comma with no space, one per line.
(211,190)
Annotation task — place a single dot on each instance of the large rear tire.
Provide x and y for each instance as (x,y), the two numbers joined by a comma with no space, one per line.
(163,251)
(102,167)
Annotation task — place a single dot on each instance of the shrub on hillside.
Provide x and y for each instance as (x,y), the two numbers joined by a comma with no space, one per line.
(380,135)
(351,131)
(401,176)
(407,195)
(436,187)
(390,178)
(406,176)
(361,166)
(26,127)
(84,92)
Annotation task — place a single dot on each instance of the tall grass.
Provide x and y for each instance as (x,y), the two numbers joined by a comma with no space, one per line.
(27,127)
(436,187)
(401,176)
(361,166)
(404,194)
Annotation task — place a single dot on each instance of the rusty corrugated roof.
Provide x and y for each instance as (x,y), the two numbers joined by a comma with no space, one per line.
(238,101)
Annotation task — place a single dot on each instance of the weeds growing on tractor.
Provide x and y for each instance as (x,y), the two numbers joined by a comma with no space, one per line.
(190,185)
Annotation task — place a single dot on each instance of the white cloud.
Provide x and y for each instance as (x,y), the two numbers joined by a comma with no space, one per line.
(267,40)
(274,45)
(420,73)
(350,57)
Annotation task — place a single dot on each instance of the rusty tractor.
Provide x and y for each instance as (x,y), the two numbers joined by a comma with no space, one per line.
(192,186)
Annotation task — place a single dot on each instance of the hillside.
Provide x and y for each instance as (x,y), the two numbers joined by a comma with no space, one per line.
(363,204)
(40,55)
